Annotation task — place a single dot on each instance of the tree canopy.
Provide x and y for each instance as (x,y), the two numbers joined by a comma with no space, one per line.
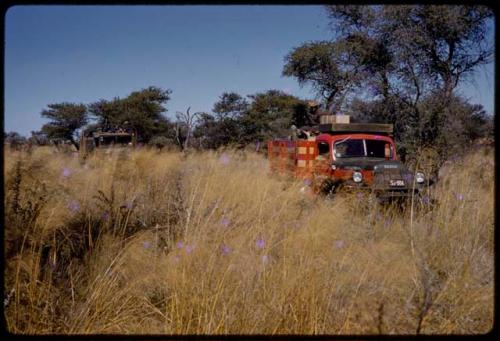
(388,63)
(65,120)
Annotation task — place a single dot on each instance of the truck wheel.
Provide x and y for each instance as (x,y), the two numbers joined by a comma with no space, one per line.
(328,187)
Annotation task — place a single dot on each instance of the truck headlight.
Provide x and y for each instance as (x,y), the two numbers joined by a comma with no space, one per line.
(357,177)
(419,177)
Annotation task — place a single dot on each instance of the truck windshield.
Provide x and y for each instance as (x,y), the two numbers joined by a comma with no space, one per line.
(361,148)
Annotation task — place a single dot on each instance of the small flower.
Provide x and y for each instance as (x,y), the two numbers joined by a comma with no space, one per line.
(339,244)
(359,196)
(66,172)
(265,259)
(260,243)
(224,159)
(53,265)
(387,223)
(105,216)
(180,244)
(225,222)
(459,196)
(257,146)
(129,205)
(74,206)
(146,245)
(425,199)
(225,249)
(307,182)
(189,249)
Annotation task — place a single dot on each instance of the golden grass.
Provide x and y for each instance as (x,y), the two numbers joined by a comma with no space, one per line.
(154,242)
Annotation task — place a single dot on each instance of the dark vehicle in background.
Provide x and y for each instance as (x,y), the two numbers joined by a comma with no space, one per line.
(109,138)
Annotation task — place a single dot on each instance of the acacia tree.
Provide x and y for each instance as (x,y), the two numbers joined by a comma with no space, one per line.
(223,125)
(328,66)
(65,120)
(271,114)
(399,57)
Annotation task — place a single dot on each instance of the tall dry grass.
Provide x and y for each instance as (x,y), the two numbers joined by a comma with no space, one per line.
(211,243)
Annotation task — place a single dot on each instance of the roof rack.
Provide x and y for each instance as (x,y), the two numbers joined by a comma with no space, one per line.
(342,128)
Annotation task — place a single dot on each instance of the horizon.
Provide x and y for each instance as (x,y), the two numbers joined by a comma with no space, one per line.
(83,54)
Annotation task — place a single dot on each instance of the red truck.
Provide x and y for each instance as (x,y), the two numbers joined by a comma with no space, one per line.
(350,155)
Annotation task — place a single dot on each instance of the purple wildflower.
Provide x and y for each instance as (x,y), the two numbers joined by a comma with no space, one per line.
(265,259)
(257,146)
(425,199)
(66,172)
(105,216)
(408,177)
(339,244)
(224,159)
(359,196)
(189,248)
(180,244)
(459,196)
(225,222)
(146,245)
(261,243)
(128,205)
(387,223)
(53,265)
(307,182)
(225,249)
(74,206)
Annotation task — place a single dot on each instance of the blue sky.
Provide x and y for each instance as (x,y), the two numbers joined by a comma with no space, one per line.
(86,53)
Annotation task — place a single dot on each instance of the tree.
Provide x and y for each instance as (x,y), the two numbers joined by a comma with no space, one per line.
(328,66)
(230,105)
(185,122)
(66,119)
(223,126)
(14,139)
(450,39)
(38,138)
(271,114)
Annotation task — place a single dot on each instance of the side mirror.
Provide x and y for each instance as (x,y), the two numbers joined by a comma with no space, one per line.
(387,151)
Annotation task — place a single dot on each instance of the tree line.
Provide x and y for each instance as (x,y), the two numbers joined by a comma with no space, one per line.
(385,63)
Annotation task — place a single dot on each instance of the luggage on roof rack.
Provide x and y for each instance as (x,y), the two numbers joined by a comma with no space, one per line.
(344,128)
